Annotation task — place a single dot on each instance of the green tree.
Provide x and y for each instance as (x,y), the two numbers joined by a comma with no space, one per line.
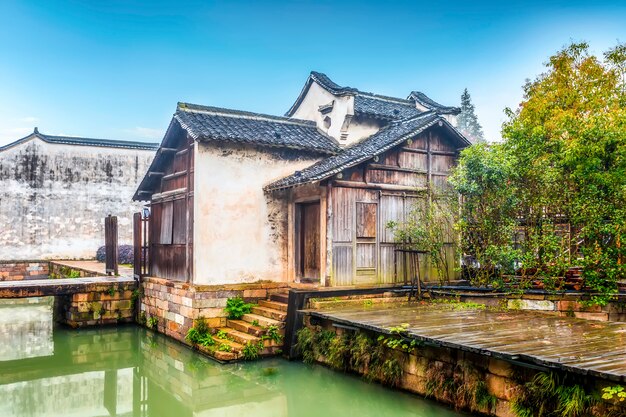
(564,155)
(569,135)
(485,179)
(467,121)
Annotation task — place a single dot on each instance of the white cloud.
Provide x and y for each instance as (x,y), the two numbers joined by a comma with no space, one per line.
(29,119)
(145,132)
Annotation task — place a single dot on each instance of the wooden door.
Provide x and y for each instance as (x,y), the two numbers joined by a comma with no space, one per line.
(366,243)
(309,258)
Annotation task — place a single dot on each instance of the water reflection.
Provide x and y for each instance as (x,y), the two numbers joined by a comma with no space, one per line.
(26,328)
(128,371)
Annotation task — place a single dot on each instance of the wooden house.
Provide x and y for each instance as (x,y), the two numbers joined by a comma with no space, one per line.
(241,197)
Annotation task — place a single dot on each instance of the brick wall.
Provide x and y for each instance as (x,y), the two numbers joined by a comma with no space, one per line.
(176,305)
(21,270)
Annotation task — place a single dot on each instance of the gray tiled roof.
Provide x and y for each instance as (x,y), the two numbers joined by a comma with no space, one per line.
(374,105)
(388,137)
(205,123)
(72,140)
(431,104)
(384,107)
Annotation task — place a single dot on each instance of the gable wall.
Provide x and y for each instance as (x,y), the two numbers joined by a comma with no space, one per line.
(240,233)
(55,197)
(316,97)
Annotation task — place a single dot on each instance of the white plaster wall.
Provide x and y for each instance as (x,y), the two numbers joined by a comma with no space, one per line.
(360,129)
(240,233)
(316,97)
(54,198)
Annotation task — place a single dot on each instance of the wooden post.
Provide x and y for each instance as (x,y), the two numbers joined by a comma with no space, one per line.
(137,247)
(110,244)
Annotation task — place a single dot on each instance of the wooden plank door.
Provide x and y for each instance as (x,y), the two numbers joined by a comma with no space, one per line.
(366,243)
(310,241)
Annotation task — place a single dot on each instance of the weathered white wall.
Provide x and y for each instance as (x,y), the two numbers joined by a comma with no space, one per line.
(240,233)
(54,198)
(318,96)
(345,128)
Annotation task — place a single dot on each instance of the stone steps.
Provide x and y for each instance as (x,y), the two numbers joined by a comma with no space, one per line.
(269,313)
(238,336)
(262,320)
(238,333)
(275,305)
(245,327)
(281,297)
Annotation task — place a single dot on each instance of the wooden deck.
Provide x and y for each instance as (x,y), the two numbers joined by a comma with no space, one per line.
(46,287)
(571,344)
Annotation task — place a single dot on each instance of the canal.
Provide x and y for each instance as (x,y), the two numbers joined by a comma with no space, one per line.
(46,370)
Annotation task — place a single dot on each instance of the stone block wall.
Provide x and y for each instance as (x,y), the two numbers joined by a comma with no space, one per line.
(21,270)
(175,305)
(444,374)
(101,306)
(63,271)
(565,305)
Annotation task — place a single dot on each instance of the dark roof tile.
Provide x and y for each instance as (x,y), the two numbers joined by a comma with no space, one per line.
(206,123)
(384,107)
(431,104)
(385,139)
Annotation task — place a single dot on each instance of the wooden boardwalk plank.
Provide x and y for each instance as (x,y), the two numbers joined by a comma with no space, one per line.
(573,344)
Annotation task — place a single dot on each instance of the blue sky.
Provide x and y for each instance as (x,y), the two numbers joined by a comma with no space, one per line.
(115,69)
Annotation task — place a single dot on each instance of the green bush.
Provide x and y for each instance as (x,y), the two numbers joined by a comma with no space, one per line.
(305,344)
(237,307)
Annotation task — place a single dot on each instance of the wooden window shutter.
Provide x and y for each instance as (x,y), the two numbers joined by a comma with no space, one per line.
(180,222)
(366,220)
(166,223)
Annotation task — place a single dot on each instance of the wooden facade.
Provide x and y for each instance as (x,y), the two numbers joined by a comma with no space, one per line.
(359,203)
(171,214)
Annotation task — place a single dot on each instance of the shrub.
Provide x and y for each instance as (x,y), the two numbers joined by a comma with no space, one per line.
(237,307)
(125,254)
(251,351)
(305,344)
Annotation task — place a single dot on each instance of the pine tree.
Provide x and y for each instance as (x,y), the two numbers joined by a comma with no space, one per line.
(467,121)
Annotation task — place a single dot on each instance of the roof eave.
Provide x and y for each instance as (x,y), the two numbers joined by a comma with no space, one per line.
(143,184)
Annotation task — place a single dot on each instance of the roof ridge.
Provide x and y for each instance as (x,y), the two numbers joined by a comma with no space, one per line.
(386,98)
(329,84)
(199,108)
(43,135)
(428,102)
(82,141)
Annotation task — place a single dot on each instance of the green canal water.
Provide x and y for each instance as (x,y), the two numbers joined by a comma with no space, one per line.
(46,370)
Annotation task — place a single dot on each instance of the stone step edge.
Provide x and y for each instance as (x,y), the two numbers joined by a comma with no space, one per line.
(274,305)
(269,313)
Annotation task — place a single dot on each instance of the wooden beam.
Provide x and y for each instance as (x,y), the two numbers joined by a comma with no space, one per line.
(397,169)
(166,150)
(174,175)
(377,186)
(425,151)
